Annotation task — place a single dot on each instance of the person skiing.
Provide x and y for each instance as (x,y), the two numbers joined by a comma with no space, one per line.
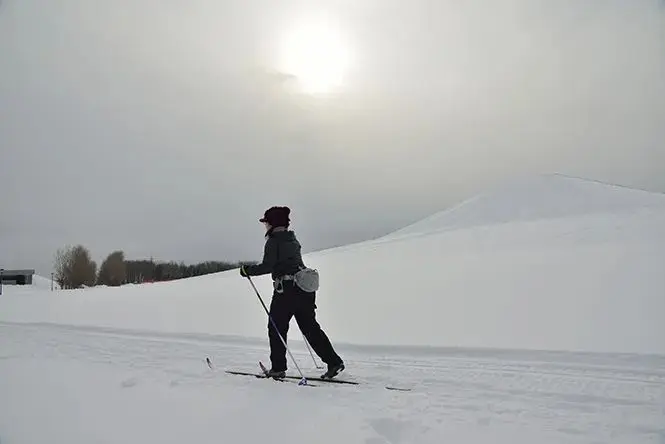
(282,259)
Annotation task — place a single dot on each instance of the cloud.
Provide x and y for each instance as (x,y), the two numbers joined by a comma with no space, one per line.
(169,128)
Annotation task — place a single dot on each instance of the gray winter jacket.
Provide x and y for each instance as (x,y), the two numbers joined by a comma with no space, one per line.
(281,256)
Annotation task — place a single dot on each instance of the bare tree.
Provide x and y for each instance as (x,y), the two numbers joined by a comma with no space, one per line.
(62,267)
(74,268)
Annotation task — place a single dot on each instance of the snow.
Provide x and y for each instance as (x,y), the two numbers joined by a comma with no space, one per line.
(80,385)
(43,283)
(579,281)
(532,313)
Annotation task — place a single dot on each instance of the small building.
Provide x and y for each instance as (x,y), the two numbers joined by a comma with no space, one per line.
(16,277)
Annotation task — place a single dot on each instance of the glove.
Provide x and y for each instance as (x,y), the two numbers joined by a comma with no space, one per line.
(243,272)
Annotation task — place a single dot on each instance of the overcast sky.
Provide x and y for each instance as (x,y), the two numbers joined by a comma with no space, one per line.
(165,129)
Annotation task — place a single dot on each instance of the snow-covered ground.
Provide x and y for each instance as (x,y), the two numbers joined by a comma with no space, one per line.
(43,283)
(79,385)
(518,273)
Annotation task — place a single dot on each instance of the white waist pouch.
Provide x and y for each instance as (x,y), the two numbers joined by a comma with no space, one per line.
(307,279)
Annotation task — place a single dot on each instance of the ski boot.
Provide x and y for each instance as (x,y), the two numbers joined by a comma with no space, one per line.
(275,374)
(333,370)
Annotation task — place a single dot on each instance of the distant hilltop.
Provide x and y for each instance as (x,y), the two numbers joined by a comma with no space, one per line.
(540,197)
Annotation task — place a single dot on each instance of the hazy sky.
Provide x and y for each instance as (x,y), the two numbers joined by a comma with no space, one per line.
(166,128)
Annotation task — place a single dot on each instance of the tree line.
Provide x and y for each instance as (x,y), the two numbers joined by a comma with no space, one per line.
(74,268)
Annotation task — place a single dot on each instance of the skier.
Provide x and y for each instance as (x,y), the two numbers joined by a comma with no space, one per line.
(282,259)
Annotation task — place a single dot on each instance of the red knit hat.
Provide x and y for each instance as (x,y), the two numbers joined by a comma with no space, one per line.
(277,216)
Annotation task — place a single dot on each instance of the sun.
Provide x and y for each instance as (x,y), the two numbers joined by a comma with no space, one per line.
(316,56)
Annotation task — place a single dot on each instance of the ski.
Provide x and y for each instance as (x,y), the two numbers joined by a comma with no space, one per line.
(303,380)
(292,378)
(262,376)
(289,378)
(399,389)
(313,378)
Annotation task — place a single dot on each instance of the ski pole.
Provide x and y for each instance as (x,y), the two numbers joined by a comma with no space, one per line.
(303,381)
(310,351)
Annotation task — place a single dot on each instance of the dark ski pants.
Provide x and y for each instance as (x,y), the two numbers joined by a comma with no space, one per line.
(294,302)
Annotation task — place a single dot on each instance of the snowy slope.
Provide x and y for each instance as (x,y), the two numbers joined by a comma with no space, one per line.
(542,197)
(579,281)
(43,283)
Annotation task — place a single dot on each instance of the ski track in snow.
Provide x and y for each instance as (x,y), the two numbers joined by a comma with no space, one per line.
(456,395)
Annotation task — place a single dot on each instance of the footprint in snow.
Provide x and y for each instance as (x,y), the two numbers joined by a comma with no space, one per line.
(392,431)
(375,441)
(127,383)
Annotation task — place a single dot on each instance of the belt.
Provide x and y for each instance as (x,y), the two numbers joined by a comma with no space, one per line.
(278,283)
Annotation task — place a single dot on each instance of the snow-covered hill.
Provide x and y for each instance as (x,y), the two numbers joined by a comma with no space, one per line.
(542,197)
(555,263)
